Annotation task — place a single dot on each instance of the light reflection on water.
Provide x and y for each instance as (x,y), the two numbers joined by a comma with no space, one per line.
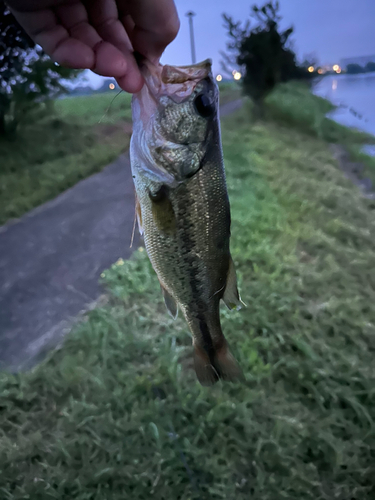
(356,95)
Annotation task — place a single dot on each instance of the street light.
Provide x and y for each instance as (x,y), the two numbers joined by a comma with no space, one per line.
(190,15)
(219,78)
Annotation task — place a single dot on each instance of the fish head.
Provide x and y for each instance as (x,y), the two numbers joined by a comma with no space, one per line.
(174,116)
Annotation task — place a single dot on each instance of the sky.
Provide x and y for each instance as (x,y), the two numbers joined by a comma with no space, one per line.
(328,29)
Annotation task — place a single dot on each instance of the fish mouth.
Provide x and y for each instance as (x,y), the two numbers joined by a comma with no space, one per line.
(182,74)
(176,82)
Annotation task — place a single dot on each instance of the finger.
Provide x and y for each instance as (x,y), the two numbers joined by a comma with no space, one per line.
(44,28)
(109,61)
(128,24)
(156,25)
(77,45)
(104,17)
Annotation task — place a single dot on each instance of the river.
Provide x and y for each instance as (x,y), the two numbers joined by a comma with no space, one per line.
(355,96)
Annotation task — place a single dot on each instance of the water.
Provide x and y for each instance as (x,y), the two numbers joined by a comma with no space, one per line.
(369,149)
(355,96)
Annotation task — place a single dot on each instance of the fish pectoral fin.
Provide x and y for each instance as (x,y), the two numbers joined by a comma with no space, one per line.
(170,303)
(138,214)
(231,296)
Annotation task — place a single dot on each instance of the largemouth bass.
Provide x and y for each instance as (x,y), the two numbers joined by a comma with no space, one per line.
(183,207)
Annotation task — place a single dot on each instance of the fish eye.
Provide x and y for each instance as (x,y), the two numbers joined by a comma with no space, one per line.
(203,106)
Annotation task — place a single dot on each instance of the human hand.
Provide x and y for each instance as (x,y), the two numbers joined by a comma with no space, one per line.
(100,35)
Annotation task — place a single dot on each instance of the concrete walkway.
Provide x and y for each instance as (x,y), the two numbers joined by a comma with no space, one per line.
(51,260)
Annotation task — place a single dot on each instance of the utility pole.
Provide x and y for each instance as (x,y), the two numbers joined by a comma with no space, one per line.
(190,15)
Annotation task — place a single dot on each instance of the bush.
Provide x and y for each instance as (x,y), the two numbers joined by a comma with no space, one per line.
(28,78)
(354,69)
(263,52)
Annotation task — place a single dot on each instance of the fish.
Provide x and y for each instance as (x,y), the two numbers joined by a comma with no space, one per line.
(182,205)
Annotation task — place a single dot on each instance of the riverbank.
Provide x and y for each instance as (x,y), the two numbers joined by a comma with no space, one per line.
(293,105)
(354,98)
(117,412)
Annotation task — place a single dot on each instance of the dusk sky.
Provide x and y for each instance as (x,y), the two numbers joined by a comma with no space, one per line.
(329,29)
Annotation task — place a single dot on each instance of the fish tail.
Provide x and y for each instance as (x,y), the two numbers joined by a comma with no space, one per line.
(220,365)
(226,365)
(206,372)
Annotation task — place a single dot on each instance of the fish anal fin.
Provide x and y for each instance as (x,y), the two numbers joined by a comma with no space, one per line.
(170,303)
(231,296)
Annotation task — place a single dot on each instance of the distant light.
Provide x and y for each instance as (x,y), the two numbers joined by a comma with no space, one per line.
(338,69)
(320,71)
(237,75)
(335,67)
(111,86)
(219,78)
(310,69)
(234,72)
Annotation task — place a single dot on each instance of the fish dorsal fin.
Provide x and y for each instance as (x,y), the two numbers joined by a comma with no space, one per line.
(231,296)
(170,303)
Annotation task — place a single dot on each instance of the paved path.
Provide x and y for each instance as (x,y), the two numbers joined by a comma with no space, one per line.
(51,259)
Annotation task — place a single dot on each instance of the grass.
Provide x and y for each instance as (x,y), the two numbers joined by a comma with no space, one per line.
(291,104)
(229,91)
(109,107)
(52,155)
(117,413)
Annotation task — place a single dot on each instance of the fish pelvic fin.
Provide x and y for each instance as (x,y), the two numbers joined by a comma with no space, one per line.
(138,214)
(170,303)
(221,365)
(231,295)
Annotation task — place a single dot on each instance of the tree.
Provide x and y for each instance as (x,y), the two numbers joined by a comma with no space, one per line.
(28,78)
(263,52)
(370,66)
(354,69)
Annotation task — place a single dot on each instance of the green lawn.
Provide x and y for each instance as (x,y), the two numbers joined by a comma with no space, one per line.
(117,412)
(109,107)
(82,136)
